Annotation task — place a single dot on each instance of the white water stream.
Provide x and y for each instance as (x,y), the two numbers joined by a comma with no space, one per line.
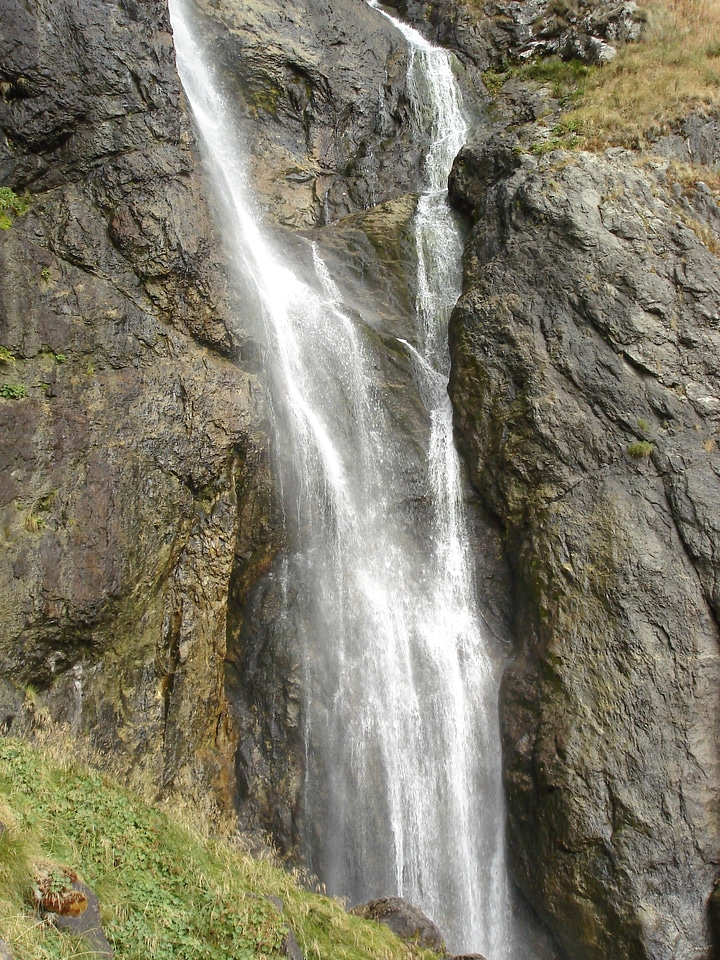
(402,789)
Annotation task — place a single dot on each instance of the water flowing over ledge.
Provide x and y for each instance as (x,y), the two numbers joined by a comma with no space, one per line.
(402,780)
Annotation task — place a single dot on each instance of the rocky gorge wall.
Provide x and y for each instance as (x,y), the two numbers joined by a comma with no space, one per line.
(585,384)
(138,440)
(144,541)
(142,538)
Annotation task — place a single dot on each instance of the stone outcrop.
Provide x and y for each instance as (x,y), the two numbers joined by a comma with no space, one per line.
(405,920)
(322,88)
(504,31)
(137,442)
(586,386)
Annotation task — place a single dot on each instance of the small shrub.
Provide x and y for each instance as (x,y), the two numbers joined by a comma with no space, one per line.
(6,356)
(494,81)
(60,357)
(643,425)
(640,449)
(11,206)
(13,391)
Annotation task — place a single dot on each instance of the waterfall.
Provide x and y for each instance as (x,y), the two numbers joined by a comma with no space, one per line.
(402,790)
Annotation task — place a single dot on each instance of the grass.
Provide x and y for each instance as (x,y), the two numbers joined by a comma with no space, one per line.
(640,449)
(655,83)
(647,88)
(166,891)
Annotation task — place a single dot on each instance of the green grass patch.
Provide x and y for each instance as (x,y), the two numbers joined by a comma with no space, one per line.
(640,449)
(11,206)
(165,891)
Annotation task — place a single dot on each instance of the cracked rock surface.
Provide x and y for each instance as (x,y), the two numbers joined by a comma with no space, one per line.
(586,385)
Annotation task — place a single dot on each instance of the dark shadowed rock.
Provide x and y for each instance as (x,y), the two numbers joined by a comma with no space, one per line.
(125,467)
(404,919)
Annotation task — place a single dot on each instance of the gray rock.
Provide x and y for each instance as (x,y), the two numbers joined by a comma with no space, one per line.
(88,925)
(5,951)
(405,920)
(124,471)
(292,948)
(509,30)
(322,98)
(695,139)
(585,348)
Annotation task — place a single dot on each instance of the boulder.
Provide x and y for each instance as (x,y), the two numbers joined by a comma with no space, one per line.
(405,920)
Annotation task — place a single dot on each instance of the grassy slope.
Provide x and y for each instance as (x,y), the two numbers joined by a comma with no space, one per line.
(649,86)
(165,892)
(659,81)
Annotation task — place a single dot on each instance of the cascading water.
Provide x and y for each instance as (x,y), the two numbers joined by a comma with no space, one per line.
(402,784)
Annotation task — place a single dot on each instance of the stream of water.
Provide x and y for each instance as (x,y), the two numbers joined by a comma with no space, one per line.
(403,785)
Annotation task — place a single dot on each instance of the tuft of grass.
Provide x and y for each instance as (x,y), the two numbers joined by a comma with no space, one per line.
(6,356)
(11,206)
(166,891)
(640,449)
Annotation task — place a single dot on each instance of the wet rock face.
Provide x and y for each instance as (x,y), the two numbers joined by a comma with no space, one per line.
(320,92)
(587,392)
(138,441)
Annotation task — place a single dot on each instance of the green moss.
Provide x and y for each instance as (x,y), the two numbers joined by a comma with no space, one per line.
(264,99)
(165,892)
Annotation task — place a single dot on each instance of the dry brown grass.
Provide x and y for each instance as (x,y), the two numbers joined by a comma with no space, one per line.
(653,84)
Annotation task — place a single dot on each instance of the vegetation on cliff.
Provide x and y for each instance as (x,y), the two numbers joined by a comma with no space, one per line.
(645,92)
(165,890)
(653,84)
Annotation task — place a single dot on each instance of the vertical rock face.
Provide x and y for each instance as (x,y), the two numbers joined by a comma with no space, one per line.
(323,109)
(137,441)
(587,393)
(322,88)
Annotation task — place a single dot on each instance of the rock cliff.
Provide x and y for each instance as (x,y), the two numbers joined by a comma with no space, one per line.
(136,440)
(143,545)
(585,382)
(143,538)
